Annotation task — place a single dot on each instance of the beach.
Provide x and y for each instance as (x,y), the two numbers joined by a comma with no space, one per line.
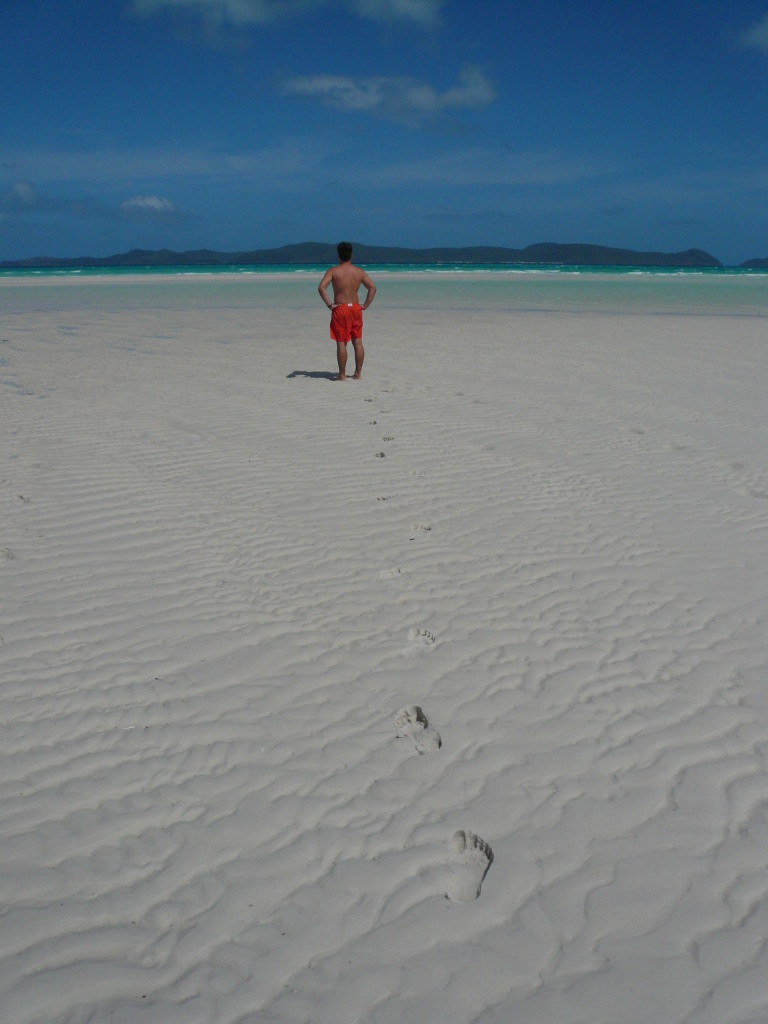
(228,581)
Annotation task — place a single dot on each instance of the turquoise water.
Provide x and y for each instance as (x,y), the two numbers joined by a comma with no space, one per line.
(469,288)
(387,268)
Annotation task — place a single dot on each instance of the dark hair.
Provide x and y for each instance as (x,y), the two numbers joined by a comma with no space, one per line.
(344,249)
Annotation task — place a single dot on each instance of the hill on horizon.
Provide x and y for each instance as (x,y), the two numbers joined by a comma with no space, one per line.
(325,253)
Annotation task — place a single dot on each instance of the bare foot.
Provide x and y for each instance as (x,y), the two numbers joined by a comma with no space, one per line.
(340,376)
(357,376)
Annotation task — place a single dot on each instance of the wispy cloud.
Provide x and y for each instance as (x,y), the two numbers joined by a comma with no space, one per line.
(245,13)
(148,177)
(575,175)
(144,170)
(487,166)
(402,99)
(425,12)
(757,36)
(232,12)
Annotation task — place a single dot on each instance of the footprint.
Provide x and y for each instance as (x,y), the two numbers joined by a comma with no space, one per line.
(389,574)
(422,637)
(380,455)
(413,722)
(387,439)
(420,528)
(471,857)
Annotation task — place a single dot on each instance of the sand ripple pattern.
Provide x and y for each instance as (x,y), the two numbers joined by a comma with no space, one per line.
(215,599)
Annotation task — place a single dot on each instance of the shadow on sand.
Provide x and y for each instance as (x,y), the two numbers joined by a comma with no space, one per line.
(315,374)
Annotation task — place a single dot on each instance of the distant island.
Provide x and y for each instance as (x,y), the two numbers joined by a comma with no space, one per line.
(325,253)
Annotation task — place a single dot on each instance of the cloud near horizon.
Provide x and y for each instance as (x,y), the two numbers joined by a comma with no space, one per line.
(22,199)
(152,206)
(244,13)
(402,99)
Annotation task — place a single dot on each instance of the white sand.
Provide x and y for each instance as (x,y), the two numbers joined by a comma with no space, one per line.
(218,600)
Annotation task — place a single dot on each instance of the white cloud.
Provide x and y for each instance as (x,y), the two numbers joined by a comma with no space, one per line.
(260,12)
(401,99)
(757,36)
(152,208)
(147,204)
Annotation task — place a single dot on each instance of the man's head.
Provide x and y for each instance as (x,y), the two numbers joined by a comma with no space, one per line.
(344,249)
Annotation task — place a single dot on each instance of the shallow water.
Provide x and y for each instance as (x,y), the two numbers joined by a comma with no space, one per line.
(574,292)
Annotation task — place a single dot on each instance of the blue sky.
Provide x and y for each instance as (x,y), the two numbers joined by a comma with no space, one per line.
(243,124)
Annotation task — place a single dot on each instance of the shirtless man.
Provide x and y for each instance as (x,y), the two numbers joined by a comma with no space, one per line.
(346,311)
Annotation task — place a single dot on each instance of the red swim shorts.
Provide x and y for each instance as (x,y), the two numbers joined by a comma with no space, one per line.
(347,322)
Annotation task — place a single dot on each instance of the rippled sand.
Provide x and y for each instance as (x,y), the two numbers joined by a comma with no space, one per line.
(290,671)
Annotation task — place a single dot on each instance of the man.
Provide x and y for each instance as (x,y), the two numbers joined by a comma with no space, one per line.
(346,311)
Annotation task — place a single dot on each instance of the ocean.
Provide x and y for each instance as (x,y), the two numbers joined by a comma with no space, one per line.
(529,288)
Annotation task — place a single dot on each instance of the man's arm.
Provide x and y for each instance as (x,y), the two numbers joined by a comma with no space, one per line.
(370,287)
(327,278)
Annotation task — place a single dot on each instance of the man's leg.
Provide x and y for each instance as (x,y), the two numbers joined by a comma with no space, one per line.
(357,345)
(341,355)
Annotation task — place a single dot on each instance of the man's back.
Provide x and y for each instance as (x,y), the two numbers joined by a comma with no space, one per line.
(346,280)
